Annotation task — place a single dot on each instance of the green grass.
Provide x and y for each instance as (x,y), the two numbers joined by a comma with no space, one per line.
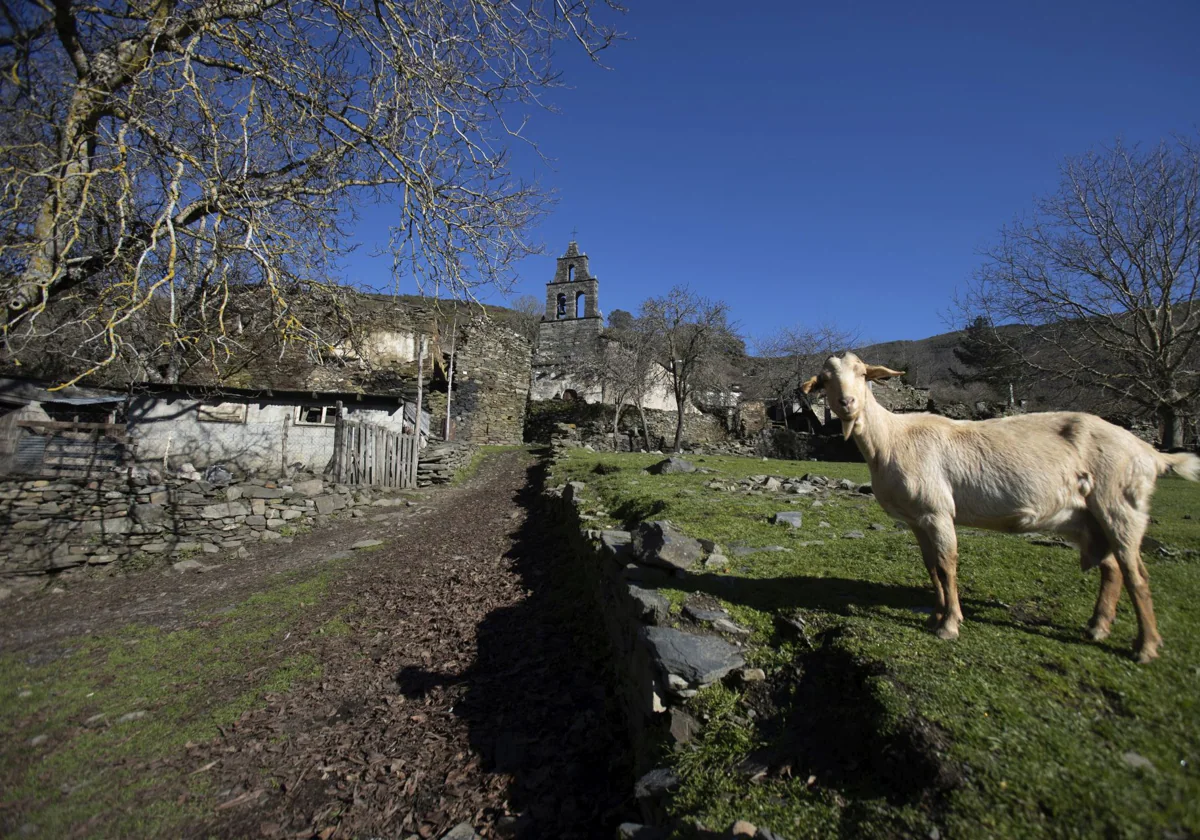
(1028,720)
(189,682)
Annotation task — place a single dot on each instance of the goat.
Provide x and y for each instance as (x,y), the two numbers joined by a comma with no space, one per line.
(1064,472)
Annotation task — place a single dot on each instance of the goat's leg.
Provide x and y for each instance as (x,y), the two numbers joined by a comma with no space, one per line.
(1094,550)
(945,548)
(929,555)
(1137,585)
(1126,525)
(1106,604)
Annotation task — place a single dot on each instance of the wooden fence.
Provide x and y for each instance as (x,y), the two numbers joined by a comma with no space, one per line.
(367,453)
(55,448)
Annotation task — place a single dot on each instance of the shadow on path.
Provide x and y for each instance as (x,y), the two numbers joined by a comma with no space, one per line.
(537,699)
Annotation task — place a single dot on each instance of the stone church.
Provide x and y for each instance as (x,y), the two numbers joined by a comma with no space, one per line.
(570,332)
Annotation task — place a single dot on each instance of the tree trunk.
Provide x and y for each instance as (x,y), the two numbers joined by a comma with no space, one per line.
(616,425)
(645,426)
(1171,427)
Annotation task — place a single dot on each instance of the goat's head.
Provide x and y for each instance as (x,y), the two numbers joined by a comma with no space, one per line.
(845,381)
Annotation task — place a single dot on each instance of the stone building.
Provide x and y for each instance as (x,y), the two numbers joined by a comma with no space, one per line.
(569,331)
(570,336)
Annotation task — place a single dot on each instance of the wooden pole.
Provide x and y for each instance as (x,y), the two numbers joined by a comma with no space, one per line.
(420,397)
(450,377)
(339,443)
(287,421)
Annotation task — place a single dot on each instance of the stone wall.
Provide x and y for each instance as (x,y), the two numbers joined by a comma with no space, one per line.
(57,525)
(659,660)
(594,423)
(491,384)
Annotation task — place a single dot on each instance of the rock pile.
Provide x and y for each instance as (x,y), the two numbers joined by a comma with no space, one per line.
(441,461)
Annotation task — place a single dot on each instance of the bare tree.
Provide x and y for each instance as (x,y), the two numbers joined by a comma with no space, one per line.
(527,314)
(1103,277)
(625,366)
(157,154)
(692,336)
(787,354)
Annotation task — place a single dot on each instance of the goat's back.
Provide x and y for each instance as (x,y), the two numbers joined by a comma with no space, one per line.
(1025,472)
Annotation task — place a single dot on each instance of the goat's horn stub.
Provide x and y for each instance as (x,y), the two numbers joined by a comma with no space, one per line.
(811,384)
(881,372)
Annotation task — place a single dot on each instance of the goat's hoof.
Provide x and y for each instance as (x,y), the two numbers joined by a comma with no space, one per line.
(1098,632)
(947,633)
(934,621)
(1145,653)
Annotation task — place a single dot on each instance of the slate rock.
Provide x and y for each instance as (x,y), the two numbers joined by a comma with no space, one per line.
(218,476)
(743,550)
(657,783)
(772,485)
(788,517)
(716,561)
(462,831)
(1137,761)
(189,566)
(660,543)
(147,514)
(649,606)
(258,491)
(361,544)
(702,615)
(698,659)
(672,466)
(683,727)
(328,503)
(637,831)
(853,535)
(616,543)
(310,488)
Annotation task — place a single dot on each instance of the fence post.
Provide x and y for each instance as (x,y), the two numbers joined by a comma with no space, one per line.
(339,442)
(420,395)
(283,447)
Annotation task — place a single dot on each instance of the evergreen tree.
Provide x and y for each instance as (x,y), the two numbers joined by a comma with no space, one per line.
(987,359)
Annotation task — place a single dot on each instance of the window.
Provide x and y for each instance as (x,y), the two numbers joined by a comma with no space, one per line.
(222,413)
(562,307)
(580,305)
(316,415)
(571,272)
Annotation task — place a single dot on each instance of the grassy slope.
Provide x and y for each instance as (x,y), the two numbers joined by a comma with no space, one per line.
(1034,720)
(108,774)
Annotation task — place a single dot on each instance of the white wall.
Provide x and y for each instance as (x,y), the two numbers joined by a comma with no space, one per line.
(171,429)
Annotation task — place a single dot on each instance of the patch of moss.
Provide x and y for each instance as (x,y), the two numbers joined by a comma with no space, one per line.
(107,712)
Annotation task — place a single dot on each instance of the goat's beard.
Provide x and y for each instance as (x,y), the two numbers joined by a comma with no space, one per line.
(848,427)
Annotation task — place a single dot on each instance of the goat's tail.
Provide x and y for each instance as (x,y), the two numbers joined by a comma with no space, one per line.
(1183,464)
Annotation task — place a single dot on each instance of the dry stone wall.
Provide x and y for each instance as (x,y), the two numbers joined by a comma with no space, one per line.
(56,525)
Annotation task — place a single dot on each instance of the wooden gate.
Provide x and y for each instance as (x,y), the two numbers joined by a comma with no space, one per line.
(367,453)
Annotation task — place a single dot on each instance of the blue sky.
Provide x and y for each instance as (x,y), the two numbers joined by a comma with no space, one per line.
(839,162)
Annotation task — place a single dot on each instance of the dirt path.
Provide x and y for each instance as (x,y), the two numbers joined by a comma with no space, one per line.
(469,687)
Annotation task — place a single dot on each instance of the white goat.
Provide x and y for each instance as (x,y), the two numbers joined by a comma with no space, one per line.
(1064,472)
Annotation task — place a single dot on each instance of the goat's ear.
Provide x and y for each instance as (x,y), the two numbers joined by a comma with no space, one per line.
(880,372)
(813,384)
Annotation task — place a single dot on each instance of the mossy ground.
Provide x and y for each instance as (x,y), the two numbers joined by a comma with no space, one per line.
(472,466)
(112,776)
(1042,732)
